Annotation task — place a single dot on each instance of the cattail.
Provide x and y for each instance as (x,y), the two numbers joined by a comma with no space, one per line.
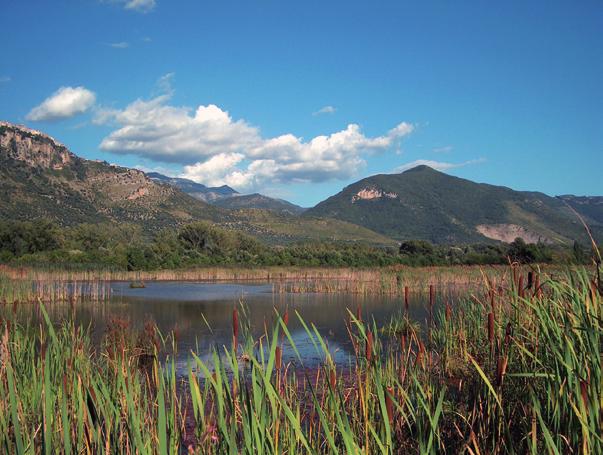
(530,280)
(419,359)
(537,289)
(358,313)
(508,334)
(279,357)
(235,328)
(333,378)
(490,328)
(286,318)
(403,343)
(520,287)
(431,295)
(448,312)
(492,302)
(406,291)
(369,346)
(501,369)
(389,404)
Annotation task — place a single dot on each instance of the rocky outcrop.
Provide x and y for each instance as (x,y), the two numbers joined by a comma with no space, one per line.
(33,147)
(509,232)
(368,194)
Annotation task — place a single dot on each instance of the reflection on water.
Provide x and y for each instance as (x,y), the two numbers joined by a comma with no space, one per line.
(188,308)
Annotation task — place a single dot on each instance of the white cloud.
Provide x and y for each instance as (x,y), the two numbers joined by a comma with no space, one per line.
(142,6)
(437,165)
(444,149)
(120,45)
(325,110)
(216,149)
(64,103)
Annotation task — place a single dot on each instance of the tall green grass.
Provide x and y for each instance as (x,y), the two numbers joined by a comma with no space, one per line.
(510,371)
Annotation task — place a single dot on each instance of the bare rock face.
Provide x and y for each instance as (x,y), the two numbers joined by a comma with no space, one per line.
(509,232)
(368,194)
(33,147)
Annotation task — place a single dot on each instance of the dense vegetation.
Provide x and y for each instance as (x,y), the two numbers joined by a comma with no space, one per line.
(127,247)
(516,369)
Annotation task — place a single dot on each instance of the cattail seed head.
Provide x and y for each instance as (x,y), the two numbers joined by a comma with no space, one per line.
(235,323)
(491,327)
(508,334)
(279,357)
(389,404)
(406,292)
(333,378)
(448,311)
(369,346)
(501,369)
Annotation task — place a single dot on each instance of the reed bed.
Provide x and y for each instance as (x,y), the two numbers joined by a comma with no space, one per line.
(514,369)
(27,285)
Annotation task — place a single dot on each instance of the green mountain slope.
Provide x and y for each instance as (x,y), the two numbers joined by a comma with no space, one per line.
(258,201)
(423,203)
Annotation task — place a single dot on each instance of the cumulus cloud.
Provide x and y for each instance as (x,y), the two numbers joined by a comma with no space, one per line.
(437,165)
(64,103)
(325,110)
(217,149)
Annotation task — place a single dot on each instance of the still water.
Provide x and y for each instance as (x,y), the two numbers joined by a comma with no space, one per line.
(201,315)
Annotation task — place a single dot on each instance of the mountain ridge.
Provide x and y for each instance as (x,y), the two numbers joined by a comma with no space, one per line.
(422,203)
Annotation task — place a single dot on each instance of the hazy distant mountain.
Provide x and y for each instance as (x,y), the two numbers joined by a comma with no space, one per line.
(225,197)
(197,190)
(259,201)
(423,203)
(39,177)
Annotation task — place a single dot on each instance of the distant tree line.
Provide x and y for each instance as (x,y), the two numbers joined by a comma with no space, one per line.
(126,247)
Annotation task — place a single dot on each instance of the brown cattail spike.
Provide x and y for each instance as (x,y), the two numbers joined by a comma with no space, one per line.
(490,328)
(369,346)
(406,292)
(278,357)
(389,404)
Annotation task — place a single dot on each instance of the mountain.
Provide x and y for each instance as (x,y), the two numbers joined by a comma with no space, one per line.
(225,197)
(40,177)
(196,190)
(422,203)
(259,201)
(588,206)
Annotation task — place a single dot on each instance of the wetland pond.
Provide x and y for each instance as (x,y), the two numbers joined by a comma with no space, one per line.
(200,314)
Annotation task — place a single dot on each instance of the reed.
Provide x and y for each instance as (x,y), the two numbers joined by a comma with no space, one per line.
(400,392)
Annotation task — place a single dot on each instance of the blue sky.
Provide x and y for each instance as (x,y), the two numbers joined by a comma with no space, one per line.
(299,99)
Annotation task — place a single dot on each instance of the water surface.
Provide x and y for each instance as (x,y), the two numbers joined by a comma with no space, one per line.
(201,315)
